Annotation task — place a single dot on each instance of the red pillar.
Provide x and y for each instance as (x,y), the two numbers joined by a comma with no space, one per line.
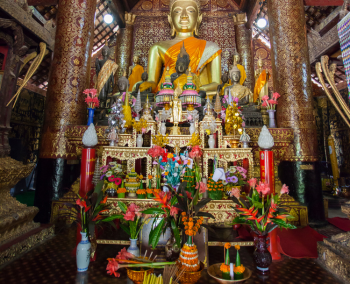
(87,170)
(267,175)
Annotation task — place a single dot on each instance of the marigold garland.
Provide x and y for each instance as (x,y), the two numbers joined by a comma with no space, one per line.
(141,191)
(149,190)
(121,190)
(192,225)
(225,268)
(215,186)
(239,269)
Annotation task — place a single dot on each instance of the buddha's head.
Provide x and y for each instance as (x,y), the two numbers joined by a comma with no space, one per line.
(224,78)
(123,83)
(183,61)
(236,58)
(144,76)
(184,16)
(136,59)
(105,51)
(235,75)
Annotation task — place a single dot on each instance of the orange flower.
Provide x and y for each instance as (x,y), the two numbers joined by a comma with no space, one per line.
(183,213)
(170,155)
(227,245)
(239,269)
(237,247)
(141,191)
(166,173)
(140,176)
(190,224)
(104,200)
(149,190)
(225,268)
(191,219)
(150,176)
(121,190)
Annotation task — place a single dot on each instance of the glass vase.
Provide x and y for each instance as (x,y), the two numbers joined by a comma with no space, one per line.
(91,116)
(261,255)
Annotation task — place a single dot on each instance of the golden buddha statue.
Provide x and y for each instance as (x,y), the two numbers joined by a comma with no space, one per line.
(236,61)
(244,95)
(224,84)
(262,82)
(176,106)
(135,72)
(205,57)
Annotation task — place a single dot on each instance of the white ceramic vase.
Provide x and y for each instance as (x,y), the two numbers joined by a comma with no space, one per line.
(139,140)
(83,253)
(211,141)
(192,128)
(163,128)
(133,248)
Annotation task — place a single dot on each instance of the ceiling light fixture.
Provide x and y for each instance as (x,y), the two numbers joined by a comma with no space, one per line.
(262,23)
(108,18)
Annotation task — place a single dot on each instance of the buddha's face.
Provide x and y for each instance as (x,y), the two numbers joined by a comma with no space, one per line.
(136,59)
(236,76)
(237,58)
(184,16)
(181,65)
(224,78)
(144,77)
(260,63)
(122,85)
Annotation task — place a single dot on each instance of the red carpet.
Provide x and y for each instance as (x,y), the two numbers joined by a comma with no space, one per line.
(299,243)
(341,223)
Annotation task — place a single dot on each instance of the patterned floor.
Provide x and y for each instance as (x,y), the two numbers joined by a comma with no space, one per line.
(52,263)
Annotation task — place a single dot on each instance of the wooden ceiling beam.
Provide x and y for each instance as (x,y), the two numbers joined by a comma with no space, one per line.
(253,13)
(42,2)
(324,2)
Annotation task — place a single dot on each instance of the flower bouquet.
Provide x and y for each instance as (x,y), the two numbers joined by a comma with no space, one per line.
(155,152)
(270,104)
(111,175)
(262,212)
(235,177)
(173,167)
(91,98)
(140,126)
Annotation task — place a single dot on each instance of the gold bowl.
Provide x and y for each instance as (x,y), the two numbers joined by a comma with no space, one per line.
(137,276)
(215,272)
(190,277)
(234,143)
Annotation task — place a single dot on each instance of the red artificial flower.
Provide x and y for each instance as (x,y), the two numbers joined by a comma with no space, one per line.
(174,211)
(276,96)
(272,102)
(104,200)
(156,151)
(264,104)
(98,217)
(112,267)
(81,203)
(117,181)
(162,198)
(129,215)
(123,254)
(111,178)
(202,187)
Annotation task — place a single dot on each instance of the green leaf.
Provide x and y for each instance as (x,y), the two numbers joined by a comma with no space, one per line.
(113,217)
(195,198)
(205,214)
(235,200)
(173,200)
(176,232)
(269,229)
(99,197)
(112,224)
(157,233)
(153,211)
(283,224)
(122,206)
(201,204)
(125,228)
(255,195)
(182,186)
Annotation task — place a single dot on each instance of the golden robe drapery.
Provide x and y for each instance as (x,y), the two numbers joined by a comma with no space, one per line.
(135,76)
(109,68)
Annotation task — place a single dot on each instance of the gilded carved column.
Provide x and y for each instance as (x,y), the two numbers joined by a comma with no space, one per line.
(123,49)
(292,80)
(244,45)
(65,99)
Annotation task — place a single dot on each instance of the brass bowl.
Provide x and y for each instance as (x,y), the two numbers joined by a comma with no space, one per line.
(137,276)
(234,143)
(190,277)
(215,272)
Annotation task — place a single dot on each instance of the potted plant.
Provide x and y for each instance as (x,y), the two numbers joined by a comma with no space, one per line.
(262,212)
(133,216)
(111,175)
(270,105)
(87,211)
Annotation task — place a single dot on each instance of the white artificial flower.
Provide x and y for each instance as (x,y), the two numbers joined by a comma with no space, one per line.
(108,174)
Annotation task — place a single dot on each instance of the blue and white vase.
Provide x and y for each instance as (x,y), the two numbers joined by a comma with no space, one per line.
(133,248)
(91,116)
(83,253)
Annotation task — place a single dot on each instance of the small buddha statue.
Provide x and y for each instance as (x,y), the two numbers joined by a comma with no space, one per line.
(236,61)
(244,95)
(176,106)
(135,72)
(223,85)
(262,82)
(145,88)
(147,114)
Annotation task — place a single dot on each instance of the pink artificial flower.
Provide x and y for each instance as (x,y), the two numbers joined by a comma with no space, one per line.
(129,216)
(143,130)
(156,151)
(117,181)
(243,124)
(202,187)
(265,98)
(189,117)
(157,118)
(252,182)
(111,178)
(264,104)
(244,175)
(104,168)
(260,187)
(196,152)
(266,189)
(276,96)
(235,192)
(174,211)
(241,170)
(223,100)
(272,102)
(236,100)
(123,254)
(112,267)
(284,189)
